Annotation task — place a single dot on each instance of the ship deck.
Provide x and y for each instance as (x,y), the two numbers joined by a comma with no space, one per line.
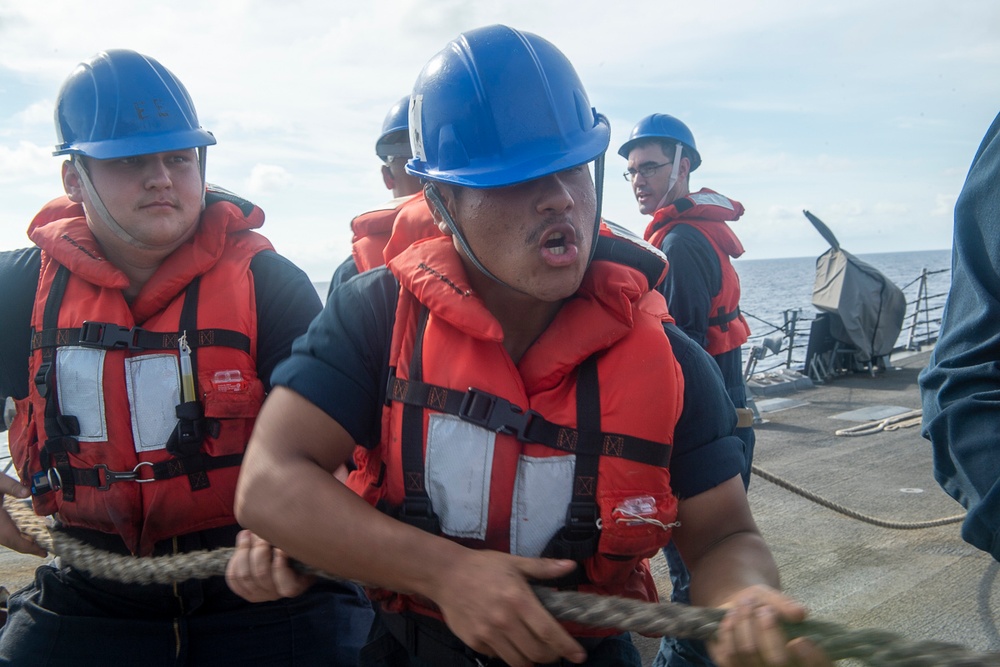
(924,584)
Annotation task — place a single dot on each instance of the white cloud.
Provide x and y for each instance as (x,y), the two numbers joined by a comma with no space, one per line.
(24,162)
(266,178)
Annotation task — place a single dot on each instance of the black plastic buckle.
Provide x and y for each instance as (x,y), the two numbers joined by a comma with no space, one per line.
(112,476)
(108,336)
(417,512)
(43,378)
(582,520)
(495,414)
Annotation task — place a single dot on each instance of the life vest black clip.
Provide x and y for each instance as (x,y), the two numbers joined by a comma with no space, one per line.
(109,336)
(418,513)
(495,414)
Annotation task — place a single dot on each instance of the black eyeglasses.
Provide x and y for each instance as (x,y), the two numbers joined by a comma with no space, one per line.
(645,171)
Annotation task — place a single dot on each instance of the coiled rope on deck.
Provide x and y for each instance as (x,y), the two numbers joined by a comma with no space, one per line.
(904,420)
(874,647)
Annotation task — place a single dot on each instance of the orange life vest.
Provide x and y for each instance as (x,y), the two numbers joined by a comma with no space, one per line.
(104,408)
(572,443)
(389,229)
(707,211)
(413,223)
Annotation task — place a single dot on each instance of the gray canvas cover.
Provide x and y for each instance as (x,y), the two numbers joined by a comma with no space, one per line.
(868,307)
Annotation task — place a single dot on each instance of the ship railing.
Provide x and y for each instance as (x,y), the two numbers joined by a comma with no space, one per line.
(783,342)
(924,312)
(784,345)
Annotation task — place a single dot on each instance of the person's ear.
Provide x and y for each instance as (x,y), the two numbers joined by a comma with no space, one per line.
(684,169)
(387,177)
(72,183)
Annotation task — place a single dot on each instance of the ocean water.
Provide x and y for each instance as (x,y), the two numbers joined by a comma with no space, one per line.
(772,286)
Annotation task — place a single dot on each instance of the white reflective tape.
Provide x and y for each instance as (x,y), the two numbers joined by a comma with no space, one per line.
(416,126)
(457,467)
(80,390)
(154,391)
(542,493)
(713,199)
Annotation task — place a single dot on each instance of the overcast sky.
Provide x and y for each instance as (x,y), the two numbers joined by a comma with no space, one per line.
(865,112)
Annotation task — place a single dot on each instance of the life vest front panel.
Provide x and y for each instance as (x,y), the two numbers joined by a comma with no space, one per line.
(124,396)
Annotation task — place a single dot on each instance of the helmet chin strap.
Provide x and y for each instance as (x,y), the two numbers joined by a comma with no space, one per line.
(432,193)
(674,168)
(101,213)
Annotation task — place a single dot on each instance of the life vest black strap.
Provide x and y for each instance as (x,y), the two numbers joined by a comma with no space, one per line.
(416,509)
(101,477)
(577,539)
(722,318)
(499,415)
(60,429)
(106,336)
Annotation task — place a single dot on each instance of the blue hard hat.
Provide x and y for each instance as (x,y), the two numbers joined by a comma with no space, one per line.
(395,138)
(121,103)
(662,126)
(497,107)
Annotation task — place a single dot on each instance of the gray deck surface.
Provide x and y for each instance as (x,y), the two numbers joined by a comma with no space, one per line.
(921,584)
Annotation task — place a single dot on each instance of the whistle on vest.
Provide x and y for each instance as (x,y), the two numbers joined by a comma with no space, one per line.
(187,372)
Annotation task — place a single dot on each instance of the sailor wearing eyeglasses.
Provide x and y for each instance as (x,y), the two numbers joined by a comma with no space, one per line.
(701,287)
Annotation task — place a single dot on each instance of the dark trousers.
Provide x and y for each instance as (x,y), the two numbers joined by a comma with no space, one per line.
(416,641)
(68,618)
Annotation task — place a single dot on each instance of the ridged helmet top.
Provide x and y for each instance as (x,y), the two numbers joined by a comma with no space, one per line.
(662,126)
(120,103)
(497,107)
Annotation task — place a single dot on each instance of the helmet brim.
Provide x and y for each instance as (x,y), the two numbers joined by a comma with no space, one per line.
(139,145)
(519,168)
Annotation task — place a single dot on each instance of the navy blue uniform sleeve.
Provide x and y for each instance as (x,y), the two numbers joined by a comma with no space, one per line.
(706,451)
(693,278)
(347,270)
(286,303)
(19,279)
(960,387)
(341,365)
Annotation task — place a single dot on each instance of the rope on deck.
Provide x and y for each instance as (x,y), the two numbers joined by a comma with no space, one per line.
(874,647)
(905,420)
(836,507)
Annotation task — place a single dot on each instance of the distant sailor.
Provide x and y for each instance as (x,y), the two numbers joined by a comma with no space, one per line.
(401,220)
(701,287)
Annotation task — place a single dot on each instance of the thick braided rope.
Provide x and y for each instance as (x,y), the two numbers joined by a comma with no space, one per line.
(874,647)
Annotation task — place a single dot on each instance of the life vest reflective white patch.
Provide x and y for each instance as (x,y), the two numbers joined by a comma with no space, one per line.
(80,388)
(152,384)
